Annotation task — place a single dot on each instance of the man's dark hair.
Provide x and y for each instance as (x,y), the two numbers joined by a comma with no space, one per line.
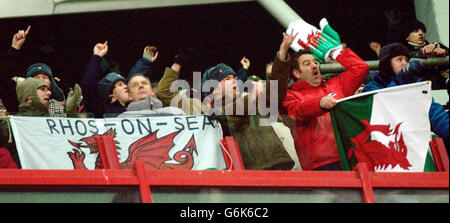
(294,61)
(411,26)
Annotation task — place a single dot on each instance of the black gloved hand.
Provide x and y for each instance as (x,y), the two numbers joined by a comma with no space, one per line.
(186,56)
(410,73)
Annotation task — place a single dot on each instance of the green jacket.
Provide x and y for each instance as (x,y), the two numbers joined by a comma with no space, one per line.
(259,145)
(28,88)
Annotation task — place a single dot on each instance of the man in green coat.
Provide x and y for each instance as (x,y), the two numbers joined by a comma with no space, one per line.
(259,145)
(34,100)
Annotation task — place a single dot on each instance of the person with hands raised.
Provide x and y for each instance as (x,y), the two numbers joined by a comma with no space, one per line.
(144,65)
(10,62)
(111,89)
(259,145)
(38,70)
(307,104)
(245,63)
(242,73)
(281,66)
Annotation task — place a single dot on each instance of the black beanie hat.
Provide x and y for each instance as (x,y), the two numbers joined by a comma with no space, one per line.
(41,68)
(106,85)
(411,26)
(386,54)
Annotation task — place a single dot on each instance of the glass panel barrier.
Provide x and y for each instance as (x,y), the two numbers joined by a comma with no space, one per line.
(255,195)
(388,195)
(68,194)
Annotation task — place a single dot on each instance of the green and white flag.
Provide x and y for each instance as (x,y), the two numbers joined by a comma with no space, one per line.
(388,129)
(165,142)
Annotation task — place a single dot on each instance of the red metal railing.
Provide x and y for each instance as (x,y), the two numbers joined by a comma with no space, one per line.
(112,176)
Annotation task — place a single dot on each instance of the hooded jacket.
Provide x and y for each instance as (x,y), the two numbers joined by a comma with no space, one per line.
(25,89)
(312,129)
(409,74)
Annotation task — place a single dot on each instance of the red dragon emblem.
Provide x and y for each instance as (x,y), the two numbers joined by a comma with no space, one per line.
(77,156)
(312,40)
(376,154)
(154,152)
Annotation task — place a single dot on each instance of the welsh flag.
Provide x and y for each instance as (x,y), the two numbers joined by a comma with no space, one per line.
(388,129)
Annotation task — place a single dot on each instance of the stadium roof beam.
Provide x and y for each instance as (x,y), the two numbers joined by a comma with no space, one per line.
(27,8)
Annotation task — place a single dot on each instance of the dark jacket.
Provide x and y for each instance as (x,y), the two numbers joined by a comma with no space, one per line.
(89,83)
(432,73)
(439,119)
(409,74)
(9,64)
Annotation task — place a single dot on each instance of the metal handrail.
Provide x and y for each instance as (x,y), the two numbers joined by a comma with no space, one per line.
(373,64)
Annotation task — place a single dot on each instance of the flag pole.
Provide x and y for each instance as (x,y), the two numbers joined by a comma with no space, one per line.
(383,90)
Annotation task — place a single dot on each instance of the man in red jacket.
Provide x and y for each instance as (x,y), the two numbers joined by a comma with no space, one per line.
(309,100)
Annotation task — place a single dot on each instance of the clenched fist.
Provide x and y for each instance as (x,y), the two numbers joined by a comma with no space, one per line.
(328,102)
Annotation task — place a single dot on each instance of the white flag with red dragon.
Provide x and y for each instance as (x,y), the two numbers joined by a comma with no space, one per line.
(388,129)
(165,142)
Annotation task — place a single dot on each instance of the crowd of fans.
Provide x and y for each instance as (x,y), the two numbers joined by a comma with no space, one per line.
(298,139)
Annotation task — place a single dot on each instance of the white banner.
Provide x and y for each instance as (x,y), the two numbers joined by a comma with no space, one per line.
(164,142)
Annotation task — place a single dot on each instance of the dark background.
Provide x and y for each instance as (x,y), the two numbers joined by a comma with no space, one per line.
(221,32)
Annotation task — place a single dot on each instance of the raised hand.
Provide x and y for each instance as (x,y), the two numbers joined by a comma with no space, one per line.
(245,63)
(286,43)
(72,99)
(376,47)
(19,38)
(101,49)
(150,53)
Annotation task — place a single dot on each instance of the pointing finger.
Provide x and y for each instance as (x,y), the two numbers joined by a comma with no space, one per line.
(28,30)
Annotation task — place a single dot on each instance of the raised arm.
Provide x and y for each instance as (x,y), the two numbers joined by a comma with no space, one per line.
(183,59)
(90,78)
(242,73)
(281,68)
(144,65)
(9,63)
(355,72)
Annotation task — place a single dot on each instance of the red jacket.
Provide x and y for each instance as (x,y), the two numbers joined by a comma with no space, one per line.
(6,161)
(313,132)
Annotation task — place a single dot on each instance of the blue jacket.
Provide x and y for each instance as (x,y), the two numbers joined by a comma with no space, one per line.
(438,117)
